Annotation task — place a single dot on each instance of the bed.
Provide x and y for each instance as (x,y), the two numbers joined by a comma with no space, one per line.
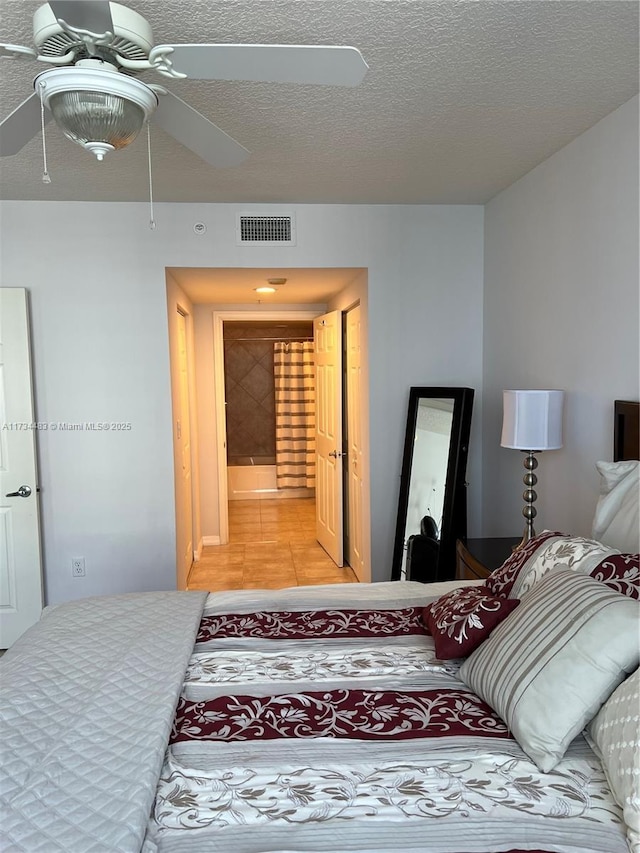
(462,717)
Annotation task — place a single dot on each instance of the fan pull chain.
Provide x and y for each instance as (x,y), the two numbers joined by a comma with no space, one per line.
(152,222)
(46,178)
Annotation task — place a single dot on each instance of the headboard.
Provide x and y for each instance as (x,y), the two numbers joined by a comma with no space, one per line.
(626,438)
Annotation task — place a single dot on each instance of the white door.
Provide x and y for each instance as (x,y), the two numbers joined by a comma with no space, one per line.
(353,460)
(20,562)
(184,510)
(328,357)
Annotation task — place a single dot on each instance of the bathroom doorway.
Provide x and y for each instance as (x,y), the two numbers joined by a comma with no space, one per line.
(254,483)
(269,409)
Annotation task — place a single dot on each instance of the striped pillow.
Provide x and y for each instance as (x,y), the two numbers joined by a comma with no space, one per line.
(614,734)
(547,669)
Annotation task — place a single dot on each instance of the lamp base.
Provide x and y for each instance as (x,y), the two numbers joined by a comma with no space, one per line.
(529,496)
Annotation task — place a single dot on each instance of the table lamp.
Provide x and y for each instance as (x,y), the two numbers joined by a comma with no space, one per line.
(532,422)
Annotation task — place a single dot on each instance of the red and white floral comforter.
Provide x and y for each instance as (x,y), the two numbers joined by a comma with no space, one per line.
(319,719)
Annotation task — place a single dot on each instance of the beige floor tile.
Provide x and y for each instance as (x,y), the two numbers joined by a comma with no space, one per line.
(272,546)
(263,549)
(244,538)
(242,527)
(312,570)
(267,568)
(320,580)
(310,544)
(311,558)
(273,516)
(269,527)
(294,538)
(283,529)
(244,508)
(221,560)
(267,584)
(218,550)
(215,575)
(218,586)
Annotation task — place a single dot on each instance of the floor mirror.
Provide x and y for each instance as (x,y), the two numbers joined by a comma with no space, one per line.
(432,506)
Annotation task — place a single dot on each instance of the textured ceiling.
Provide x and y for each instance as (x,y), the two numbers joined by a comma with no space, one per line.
(460,100)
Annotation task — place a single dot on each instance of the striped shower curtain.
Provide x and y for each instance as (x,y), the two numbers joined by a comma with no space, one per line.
(295,415)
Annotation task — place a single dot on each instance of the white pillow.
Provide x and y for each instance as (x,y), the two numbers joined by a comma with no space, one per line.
(547,669)
(614,735)
(617,517)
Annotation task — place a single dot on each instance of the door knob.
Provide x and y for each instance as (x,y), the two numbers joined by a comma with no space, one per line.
(336,454)
(23,492)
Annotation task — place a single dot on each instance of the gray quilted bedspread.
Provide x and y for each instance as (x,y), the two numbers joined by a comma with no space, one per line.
(87,699)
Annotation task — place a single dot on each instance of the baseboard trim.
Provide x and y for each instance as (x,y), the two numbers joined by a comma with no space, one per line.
(198,552)
(210,540)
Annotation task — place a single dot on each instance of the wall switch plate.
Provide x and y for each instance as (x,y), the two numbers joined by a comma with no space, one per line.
(77,567)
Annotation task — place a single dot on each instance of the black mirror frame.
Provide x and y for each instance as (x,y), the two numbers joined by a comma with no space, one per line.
(454,511)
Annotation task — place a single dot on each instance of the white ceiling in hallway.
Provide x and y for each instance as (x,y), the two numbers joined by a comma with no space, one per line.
(237,285)
(460,100)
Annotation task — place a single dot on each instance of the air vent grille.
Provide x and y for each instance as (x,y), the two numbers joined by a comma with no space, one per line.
(265,230)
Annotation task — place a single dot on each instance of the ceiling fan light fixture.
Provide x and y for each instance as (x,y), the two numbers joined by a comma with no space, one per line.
(99,109)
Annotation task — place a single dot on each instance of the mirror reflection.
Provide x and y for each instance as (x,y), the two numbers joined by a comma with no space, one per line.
(425,503)
(432,505)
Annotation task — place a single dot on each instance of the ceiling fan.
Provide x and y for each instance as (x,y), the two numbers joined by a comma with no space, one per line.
(97,47)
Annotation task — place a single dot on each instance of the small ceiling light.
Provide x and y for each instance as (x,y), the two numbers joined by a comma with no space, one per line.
(264,289)
(95,105)
(277,281)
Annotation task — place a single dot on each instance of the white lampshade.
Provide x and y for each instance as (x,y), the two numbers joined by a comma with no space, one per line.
(532,420)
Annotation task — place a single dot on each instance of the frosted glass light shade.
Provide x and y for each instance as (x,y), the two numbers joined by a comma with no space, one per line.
(97,117)
(95,105)
(532,420)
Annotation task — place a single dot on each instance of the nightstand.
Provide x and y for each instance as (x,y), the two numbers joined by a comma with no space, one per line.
(477,558)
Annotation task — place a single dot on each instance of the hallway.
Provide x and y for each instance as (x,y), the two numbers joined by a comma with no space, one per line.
(271,545)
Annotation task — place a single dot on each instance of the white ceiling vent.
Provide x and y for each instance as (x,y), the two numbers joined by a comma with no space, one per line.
(265,230)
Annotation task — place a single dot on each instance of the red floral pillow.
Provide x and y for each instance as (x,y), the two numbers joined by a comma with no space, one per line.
(621,572)
(461,620)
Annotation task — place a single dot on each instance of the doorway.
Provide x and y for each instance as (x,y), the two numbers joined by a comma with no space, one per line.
(220,318)
(269,409)
(215,298)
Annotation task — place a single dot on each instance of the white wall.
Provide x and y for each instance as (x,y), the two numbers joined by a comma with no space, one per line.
(96,275)
(561,311)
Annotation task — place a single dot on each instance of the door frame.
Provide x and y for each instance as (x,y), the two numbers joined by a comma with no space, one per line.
(219,318)
(178,302)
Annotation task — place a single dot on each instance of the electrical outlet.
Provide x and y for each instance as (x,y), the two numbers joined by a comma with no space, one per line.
(77,567)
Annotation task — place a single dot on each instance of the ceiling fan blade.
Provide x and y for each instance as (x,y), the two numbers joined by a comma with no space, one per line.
(21,125)
(196,132)
(273,63)
(92,15)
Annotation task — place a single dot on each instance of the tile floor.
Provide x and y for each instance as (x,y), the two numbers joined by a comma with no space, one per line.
(271,545)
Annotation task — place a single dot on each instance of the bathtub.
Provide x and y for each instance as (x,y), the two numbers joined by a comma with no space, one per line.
(246,482)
